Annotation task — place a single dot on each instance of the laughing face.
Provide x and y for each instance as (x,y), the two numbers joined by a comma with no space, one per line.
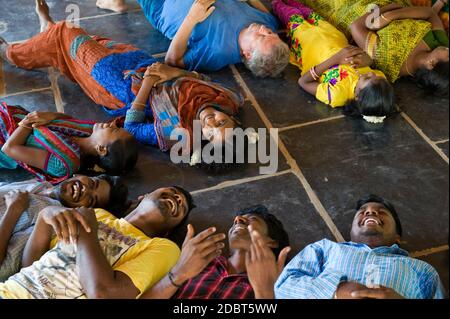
(374,226)
(239,235)
(84,191)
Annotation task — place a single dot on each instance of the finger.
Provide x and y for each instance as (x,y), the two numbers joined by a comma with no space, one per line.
(253,253)
(282,258)
(203,235)
(248,259)
(82,221)
(57,229)
(211,240)
(206,251)
(189,234)
(63,228)
(260,245)
(72,225)
(367,293)
(210,11)
(211,256)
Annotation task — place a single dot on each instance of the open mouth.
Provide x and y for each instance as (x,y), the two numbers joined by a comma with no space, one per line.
(77,190)
(239,228)
(370,221)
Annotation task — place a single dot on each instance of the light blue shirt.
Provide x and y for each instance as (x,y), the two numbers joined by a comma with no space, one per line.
(317,270)
(214,42)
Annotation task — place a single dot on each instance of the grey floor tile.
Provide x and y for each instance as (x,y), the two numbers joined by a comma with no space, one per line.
(345,159)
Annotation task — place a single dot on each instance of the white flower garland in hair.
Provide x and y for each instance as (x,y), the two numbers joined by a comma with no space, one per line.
(374,119)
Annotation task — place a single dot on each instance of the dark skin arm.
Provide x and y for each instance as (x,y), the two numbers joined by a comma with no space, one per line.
(196,254)
(97,277)
(258,5)
(345,56)
(16,203)
(360,29)
(39,242)
(15,148)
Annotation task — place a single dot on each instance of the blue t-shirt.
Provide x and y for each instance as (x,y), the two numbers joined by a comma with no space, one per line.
(214,42)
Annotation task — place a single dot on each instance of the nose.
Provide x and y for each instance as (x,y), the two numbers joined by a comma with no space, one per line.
(240,220)
(370,211)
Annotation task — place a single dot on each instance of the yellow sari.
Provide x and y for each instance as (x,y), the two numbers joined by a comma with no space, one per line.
(394,42)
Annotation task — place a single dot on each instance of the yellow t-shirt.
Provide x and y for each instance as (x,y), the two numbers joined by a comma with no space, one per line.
(56,276)
(314,41)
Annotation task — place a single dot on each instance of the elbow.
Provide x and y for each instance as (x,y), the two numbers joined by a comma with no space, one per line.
(6,148)
(174,61)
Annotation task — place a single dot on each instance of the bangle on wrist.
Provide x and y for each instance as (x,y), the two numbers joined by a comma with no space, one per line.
(170,275)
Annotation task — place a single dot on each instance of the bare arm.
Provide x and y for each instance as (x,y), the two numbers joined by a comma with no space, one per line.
(200,10)
(16,204)
(350,55)
(196,254)
(15,148)
(97,277)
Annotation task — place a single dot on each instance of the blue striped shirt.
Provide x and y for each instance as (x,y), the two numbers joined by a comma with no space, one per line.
(319,268)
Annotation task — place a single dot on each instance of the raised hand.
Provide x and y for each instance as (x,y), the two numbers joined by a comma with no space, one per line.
(197,252)
(262,267)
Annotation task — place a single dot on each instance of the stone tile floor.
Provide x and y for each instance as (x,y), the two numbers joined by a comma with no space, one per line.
(326,161)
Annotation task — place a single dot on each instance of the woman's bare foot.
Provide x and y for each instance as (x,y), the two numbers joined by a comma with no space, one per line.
(118,6)
(42,11)
(3,47)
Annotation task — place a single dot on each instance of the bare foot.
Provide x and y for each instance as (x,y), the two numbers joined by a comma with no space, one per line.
(118,6)
(42,11)
(3,47)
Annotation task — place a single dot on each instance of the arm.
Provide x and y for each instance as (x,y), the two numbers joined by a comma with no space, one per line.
(14,148)
(421,13)
(258,5)
(437,7)
(16,203)
(349,55)
(200,10)
(196,254)
(97,277)
(360,29)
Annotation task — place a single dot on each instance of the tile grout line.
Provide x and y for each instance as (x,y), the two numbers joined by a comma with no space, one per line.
(2,80)
(426,138)
(429,251)
(54,75)
(235,182)
(441,141)
(291,161)
(286,128)
(25,92)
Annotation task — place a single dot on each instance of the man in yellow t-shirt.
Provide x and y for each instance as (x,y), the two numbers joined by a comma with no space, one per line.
(96,255)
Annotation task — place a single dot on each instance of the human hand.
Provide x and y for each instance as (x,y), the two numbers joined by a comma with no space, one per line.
(164,72)
(65,223)
(377,293)
(345,290)
(262,268)
(17,200)
(36,118)
(348,55)
(201,10)
(197,252)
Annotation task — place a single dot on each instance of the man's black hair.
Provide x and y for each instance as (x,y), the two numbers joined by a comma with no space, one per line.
(371,198)
(118,202)
(275,228)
